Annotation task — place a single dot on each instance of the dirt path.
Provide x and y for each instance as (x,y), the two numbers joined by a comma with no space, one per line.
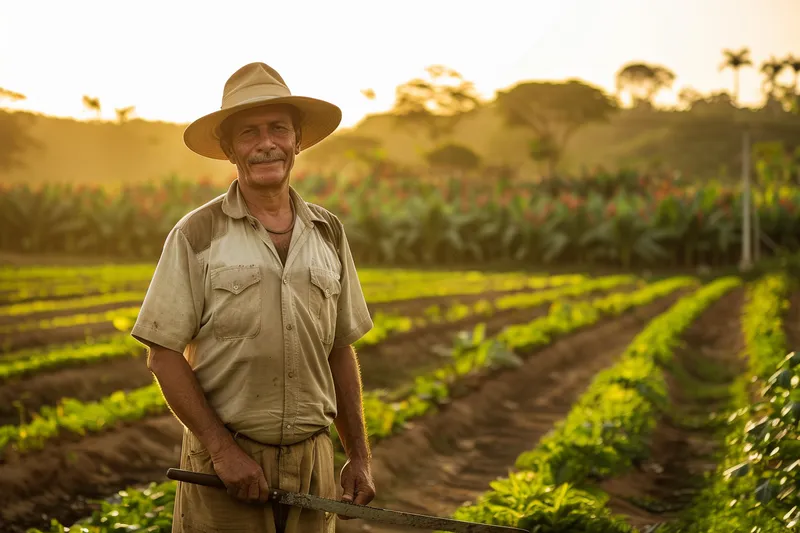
(681,453)
(452,456)
(95,466)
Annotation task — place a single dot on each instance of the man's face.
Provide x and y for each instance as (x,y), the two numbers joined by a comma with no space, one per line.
(262,144)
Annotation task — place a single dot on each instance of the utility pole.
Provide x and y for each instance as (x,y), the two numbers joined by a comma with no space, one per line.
(747,233)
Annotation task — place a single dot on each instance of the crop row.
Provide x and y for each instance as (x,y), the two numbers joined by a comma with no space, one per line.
(62,273)
(108,279)
(46,306)
(387,413)
(756,486)
(605,431)
(29,361)
(78,319)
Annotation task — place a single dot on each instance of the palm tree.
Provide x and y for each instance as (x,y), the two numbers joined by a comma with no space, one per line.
(123,114)
(736,60)
(6,94)
(771,69)
(794,63)
(92,104)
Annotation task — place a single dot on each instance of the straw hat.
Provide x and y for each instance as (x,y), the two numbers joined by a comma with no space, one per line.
(254,85)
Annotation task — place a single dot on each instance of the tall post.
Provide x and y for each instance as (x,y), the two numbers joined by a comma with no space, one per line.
(747,233)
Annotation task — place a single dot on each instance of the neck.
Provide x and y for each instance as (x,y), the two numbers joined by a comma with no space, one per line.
(267,202)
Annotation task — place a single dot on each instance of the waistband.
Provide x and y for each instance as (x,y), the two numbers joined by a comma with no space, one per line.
(237,434)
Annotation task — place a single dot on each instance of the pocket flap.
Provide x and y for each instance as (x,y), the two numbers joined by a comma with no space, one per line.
(326,281)
(235,279)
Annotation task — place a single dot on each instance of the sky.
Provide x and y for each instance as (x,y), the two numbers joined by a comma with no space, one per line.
(170,59)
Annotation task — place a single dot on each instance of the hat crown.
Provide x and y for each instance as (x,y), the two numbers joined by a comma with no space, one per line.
(254,80)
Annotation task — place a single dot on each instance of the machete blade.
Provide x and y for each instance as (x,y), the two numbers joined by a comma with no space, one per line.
(352,510)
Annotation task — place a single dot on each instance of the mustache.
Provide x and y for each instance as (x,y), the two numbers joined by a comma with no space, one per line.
(269,157)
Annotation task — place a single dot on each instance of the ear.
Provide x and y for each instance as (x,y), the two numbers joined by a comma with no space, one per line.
(226,148)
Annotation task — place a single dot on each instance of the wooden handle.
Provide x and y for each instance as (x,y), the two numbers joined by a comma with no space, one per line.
(207,480)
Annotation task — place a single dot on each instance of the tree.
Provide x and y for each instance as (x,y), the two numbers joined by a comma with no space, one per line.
(92,104)
(123,113)
(553,112)
(771,69)
(643,82)
(6,94)
(794,63)
(453,158)
(689,96)
(736,60)
(437,103)
(14,136)
(792,93)
(345,148)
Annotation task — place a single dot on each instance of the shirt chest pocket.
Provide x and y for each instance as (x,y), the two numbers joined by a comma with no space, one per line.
(323,298)
(237,302)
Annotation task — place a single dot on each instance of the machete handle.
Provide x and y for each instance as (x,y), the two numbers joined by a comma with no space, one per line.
(208,480)
(187,476)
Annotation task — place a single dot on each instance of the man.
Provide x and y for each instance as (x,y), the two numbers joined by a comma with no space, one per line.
(250,318)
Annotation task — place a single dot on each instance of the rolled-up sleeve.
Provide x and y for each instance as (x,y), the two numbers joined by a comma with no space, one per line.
(173,305)
(352,318)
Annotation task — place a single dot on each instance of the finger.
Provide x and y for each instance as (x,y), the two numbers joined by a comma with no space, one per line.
(263,489)
(349,488)
(364,496)
(242,491)
(252,491)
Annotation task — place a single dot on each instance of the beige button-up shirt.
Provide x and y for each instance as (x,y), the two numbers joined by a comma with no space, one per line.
(257,333)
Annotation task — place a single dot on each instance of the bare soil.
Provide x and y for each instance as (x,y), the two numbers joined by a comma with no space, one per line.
(43,337)
(656,490)
(84,383)
(450,457)
(433,466)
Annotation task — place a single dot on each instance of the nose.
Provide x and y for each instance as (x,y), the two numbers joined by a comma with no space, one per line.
(265,140)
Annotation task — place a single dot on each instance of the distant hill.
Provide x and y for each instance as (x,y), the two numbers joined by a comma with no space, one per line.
(704,142)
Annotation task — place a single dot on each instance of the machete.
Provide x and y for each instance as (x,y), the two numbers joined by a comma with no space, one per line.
(352,510)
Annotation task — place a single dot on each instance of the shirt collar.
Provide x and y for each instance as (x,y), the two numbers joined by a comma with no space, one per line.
(235,207)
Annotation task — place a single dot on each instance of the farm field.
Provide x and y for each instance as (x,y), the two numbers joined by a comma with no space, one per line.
(572,402)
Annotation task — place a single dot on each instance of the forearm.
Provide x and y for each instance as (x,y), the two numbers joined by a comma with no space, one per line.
(350,418)
(186,399)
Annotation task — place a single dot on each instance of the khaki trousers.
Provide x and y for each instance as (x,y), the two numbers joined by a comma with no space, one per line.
(305,467)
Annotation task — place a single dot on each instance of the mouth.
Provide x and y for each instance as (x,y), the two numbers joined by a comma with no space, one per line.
(265,163)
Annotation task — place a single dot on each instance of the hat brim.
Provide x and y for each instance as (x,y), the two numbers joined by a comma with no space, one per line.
(319,119)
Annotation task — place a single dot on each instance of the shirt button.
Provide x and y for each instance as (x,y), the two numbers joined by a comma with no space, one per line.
(235,287)
(327,292)
(291,374)
(285,281)
(288,426)
(288,326)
